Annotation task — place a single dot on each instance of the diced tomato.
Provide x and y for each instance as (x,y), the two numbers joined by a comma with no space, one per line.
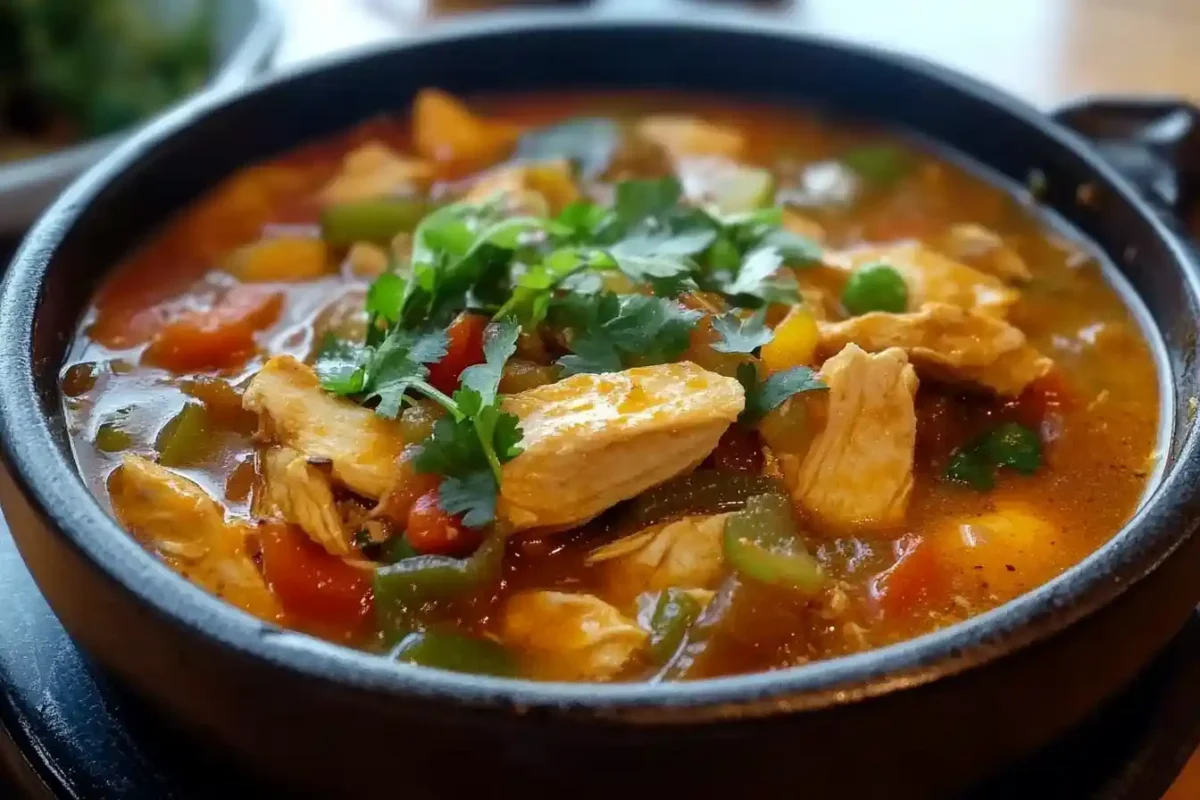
(738,450)
(917,578)
(431,530)
(309,582)
(218,338)
(465,349)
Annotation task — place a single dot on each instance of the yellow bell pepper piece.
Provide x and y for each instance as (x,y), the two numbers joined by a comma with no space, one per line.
(795,342)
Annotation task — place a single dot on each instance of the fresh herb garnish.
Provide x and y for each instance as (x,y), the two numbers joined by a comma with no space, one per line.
(1009,445)
(611,332)
(589,143)
(471,444)
(762,397)
(741,335)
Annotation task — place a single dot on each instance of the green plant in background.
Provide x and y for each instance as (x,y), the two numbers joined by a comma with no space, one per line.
(98,66)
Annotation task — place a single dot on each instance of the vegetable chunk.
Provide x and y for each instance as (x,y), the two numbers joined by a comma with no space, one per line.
(591,441)
(858,471)
(947,343)
(362,448)
(571,636)
(187,527)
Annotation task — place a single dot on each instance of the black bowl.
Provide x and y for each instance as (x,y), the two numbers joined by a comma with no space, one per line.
(916,719)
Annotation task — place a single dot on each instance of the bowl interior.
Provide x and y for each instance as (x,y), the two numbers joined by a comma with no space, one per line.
(117,205)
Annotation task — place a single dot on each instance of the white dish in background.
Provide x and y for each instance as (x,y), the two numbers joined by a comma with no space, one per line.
(246,31)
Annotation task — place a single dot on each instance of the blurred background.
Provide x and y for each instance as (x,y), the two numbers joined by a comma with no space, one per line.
(77,75)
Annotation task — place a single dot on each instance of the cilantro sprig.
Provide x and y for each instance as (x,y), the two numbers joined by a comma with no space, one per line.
(741,335)
(764,396)
(611,332)
(525,270)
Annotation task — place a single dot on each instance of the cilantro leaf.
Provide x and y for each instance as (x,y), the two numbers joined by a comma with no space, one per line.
(339,365)
(761,228)
(591,353)
(764,397)
(614,331)
(530,298)
(588,142)
(685,243)
(639,199)
(385,296)
(399,364)
(473,495)
(499,343)
(796,250)
(453,449)
(581,218)
(741,335)
(758,267)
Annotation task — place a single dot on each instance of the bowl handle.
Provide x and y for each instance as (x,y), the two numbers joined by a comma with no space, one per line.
(1154,143)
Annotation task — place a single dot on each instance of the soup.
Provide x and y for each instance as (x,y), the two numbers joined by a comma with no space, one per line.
(628,387)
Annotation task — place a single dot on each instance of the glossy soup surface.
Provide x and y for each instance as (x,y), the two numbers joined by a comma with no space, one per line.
(176,334)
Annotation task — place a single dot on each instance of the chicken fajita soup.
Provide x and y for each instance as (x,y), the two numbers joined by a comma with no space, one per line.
(629,387)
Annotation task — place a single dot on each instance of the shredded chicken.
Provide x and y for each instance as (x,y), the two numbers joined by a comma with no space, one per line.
(947,343)
(591,441)
(300,492)
(187,527)
(688,136)
(293,410)
(933,278)
(375,170)
(985,250)
(570,636)
(858,470)
(683,554)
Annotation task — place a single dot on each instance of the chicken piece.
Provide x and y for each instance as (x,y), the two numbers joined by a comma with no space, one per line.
(857,472)
(591,441)
(998,555)
(299,492)
(688,136)
(685,554)
(933,278)
(187,527)
(570,636)
(294,411)
(985,250)
(538,189)
(947,343)
(375,170)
